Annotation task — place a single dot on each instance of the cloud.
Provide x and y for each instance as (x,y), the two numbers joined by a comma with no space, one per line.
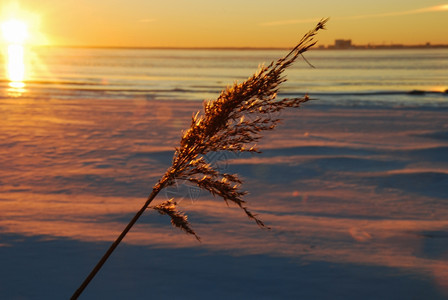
(443,7)
(437,8)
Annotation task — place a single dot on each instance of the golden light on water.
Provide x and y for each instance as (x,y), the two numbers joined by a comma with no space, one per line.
(16,65)
(15,34)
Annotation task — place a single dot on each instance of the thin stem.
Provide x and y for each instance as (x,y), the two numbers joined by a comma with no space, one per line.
(214,132)
(111,249)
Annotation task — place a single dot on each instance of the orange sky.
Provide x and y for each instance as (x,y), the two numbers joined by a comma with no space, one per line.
(230,23)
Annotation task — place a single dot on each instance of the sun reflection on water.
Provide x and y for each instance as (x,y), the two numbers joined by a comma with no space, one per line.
(15,33)
(16,67)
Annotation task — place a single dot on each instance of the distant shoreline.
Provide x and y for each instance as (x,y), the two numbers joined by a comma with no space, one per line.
(376,47)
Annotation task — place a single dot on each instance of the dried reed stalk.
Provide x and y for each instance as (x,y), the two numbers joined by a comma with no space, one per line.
(233,122)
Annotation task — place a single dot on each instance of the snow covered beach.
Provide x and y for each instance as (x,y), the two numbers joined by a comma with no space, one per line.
(355,195)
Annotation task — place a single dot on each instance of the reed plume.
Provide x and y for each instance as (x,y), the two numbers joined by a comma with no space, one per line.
(233,122)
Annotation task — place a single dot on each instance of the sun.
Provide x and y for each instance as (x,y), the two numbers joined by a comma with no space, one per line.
(15,31)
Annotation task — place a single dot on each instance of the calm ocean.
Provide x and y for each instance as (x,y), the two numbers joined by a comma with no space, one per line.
(344,77)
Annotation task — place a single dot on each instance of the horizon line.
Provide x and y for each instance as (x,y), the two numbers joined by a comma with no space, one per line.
(319,47)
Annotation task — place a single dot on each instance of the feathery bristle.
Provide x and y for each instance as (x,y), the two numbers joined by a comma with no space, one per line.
(178,218)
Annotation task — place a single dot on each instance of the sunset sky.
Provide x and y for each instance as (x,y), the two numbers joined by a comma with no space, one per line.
(230,23)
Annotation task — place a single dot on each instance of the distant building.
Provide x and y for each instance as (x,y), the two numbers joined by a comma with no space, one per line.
(347,44)
(342,44)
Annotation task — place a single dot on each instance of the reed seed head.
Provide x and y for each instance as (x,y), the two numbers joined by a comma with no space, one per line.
(233,122)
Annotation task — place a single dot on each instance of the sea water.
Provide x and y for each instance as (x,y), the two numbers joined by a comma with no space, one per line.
(340,77)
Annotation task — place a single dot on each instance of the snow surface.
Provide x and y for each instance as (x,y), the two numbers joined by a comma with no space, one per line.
(356,198)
